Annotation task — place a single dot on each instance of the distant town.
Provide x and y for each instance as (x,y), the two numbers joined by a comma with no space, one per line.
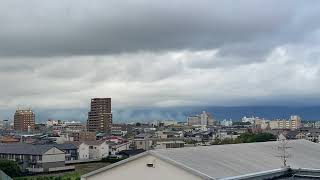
(60,146)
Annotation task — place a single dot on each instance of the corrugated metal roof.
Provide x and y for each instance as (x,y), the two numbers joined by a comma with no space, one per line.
(222,161)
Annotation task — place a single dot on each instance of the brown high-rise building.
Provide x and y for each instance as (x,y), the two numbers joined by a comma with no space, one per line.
(24,120)
(100,115)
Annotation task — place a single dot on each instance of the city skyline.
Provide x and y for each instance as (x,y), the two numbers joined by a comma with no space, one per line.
(180,114)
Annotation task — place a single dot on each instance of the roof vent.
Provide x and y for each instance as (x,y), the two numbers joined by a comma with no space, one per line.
(151,163)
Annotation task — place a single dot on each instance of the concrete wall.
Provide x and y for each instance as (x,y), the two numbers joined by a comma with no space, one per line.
(137,169)
(83,151)
(142,144)
(48,165)
(104,150)
(53,155)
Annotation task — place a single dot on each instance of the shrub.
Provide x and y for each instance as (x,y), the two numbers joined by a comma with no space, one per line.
(11,168)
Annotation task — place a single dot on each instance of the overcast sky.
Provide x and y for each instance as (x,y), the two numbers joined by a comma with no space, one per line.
(162,53)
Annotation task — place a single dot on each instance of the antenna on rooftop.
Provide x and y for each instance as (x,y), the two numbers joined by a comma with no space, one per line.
(283,148)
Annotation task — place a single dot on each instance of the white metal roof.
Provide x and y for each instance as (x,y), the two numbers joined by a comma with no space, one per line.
(223,161)
(234,160)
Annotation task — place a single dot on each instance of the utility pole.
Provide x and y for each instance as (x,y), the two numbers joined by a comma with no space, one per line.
(283,148)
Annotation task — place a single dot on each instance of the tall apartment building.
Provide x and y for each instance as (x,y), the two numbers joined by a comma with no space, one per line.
(203,119)
(100,115)
(24,120)
(295,122)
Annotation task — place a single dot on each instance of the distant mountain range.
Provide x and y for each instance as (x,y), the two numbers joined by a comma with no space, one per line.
(308,113)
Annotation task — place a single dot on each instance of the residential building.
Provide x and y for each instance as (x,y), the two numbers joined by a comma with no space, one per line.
(256,161)
(74,127)
(249,119)
(204,119)
(115,148)
(100,115)
(193,120)
(5,124)
(70,150)
(293,123)
(84,136)
(24,120)
(226,123)
(169,123)
(35,158)
(169,144)
(61,138)
(92,150)
(145,144)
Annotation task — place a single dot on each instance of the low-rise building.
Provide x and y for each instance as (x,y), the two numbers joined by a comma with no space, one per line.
(70,150)
(84,136)
(169,144)
(145,144)
(35,158)
(93,150)
(115,148)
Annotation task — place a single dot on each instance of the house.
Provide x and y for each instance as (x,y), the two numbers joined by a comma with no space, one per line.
(70,150)
(229,162)
(145,144)
(115,148)
(93,150)
(35,158)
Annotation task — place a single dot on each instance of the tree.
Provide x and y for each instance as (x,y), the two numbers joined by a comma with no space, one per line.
(11,168)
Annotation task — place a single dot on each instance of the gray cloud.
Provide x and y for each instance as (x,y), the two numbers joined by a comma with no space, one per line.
(59,54)
(64,28)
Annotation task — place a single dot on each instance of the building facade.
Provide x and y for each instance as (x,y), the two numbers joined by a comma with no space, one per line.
(204,119)
(293,123)
(84,136)
(100,115)
(93,150)
(24,120)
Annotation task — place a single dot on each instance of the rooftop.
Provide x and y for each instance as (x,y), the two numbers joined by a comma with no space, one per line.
(21,148)
(238,159)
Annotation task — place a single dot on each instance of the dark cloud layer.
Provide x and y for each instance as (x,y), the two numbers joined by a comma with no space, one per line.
(79,27)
